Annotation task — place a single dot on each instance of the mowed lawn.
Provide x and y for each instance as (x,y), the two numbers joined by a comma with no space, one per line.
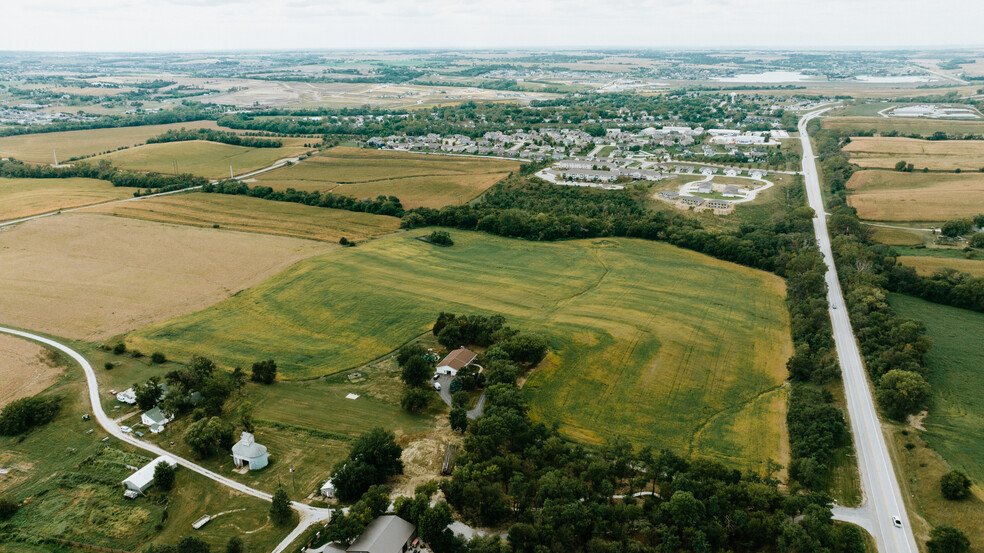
(659,344)
(26,197)
(256,215)
(897,237)
(417,180)
(92,276)
(206,159)
(945,155)
(924,127)
(926,266)
(955,363)
(38,148)
(932,197)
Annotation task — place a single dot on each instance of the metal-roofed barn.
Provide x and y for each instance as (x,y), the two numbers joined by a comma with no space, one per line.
(143,478)
(248,453)
(386,534)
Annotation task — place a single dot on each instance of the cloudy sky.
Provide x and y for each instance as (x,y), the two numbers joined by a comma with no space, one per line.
(190,25)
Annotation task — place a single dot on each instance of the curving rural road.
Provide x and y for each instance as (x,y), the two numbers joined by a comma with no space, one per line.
(308,515)
(883,497)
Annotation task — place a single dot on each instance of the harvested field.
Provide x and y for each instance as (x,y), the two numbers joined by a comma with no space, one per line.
(26,197)
(926,266)
(416,179)
(931,197)
(25,369)
(37,148)
(207,159)
(91,276)
(256,215)
(619,314)
(938,155)
(924,127)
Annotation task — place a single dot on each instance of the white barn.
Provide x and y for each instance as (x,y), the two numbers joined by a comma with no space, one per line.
(248,453)
(143,478)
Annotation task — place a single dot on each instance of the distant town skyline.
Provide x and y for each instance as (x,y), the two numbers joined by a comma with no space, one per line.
(214,25)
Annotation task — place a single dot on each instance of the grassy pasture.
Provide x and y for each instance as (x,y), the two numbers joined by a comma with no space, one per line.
(70,481)
(896,237)
(207,159)
(941,155)
(256,215)
(37,148)
(26,197)
(93,276)
(923,127)
(930,197)
(620,315)
(417,179)
(928,265)
(956,417)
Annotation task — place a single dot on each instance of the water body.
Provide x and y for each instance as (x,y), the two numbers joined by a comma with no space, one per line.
(767,77)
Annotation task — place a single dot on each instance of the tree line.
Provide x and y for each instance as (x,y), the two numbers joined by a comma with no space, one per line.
(212,135)
(381,205)
(103,170)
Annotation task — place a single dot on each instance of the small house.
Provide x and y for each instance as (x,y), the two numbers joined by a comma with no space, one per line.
(144,477)
(328,489)
(386,534)
(455,361)
(731,191)
(705,188)
(248,453)
(155,419)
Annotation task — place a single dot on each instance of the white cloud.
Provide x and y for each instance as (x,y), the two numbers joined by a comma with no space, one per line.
(131,25)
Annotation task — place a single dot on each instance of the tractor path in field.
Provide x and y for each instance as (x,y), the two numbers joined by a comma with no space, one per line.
(308,515)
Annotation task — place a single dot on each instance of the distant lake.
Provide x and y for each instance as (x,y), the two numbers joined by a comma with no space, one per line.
(767,77)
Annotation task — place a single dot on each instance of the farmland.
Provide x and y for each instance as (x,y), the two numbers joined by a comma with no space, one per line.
(37,148)
(926,266)
(256,215)
(25,369)
(94,276)
(937,155)
(206,159)
(417,180)
(931,197)
(72,489)
(619,314)
(896,237)
(26,197)
(953,428)
(924,127)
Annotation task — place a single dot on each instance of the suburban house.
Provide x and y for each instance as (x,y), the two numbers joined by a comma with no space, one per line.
(669,194)
(144,477)
(155,419)
(386,534)
(455,361)
(248,453)
(731,191)
(705,188)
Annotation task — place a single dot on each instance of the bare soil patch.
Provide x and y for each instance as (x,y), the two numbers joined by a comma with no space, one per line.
(25,369)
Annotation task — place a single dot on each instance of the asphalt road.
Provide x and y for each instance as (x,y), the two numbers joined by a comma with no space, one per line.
(883,497)
(308,515)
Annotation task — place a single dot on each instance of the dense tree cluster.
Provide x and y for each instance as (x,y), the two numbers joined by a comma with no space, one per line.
(382,205)
(264,372)
(213,387)
(212,135)
(23,414)
(180,114)
(374,457)
(955,485)
(816,429)
(103,170)
(417,366)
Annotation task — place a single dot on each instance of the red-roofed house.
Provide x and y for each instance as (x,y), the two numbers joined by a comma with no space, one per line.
(455,361)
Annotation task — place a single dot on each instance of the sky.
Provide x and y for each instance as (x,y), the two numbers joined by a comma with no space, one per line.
(210,25)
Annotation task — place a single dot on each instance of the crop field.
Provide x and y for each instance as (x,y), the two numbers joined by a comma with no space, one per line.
(926,266)
(25,369)
(71,481)
(619,313)
(93,276)
(416,179)
(931,197)
(37,148)
(207,159)
(923,127)
(941,155)
(26,197)
(256,215)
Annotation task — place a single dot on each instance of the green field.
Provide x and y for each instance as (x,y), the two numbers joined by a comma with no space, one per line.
(26,197)
(955,426)
(70,480)
(418,180)
(619,313)
(39,148)
(207,159)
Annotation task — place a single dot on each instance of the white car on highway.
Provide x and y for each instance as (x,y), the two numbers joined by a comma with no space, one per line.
(896,522)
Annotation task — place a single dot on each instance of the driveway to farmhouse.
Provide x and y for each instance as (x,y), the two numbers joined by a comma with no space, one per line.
(445,393)
(308,515)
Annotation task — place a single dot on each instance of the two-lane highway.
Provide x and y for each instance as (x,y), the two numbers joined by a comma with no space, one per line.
(882,493)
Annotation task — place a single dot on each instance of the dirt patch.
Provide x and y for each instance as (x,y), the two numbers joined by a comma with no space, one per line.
(25,369)
(916,421)
(423,455)
(89,277)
